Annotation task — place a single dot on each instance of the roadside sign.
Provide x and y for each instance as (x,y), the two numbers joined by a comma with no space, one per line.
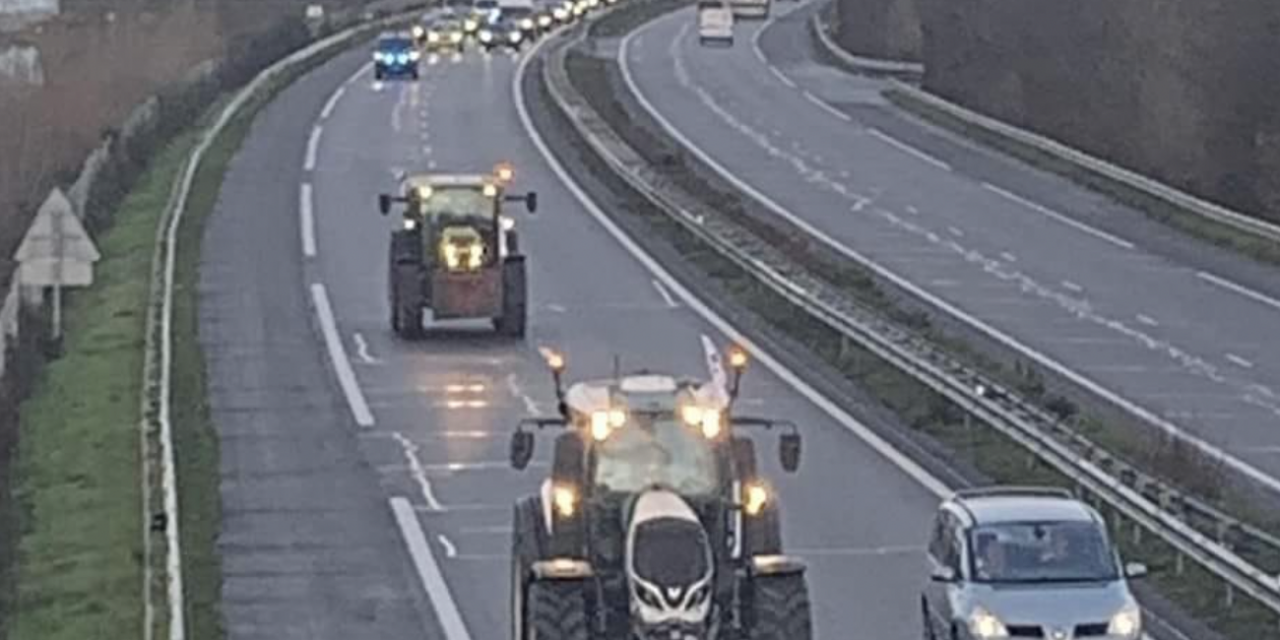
(56,252)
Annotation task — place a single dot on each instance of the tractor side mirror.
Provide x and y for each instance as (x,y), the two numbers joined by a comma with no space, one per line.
(789,452)
(384,203)
(521,449)
(531,202)
(944,575)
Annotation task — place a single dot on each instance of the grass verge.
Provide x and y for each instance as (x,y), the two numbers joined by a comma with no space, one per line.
(1188,222)
(80,556)
(992,457)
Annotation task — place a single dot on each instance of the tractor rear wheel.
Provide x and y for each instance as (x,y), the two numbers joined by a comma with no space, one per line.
(528,545)
(781,606)
(515,296)
(406,301)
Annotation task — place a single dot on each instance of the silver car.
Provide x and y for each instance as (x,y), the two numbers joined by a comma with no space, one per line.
(1026,562)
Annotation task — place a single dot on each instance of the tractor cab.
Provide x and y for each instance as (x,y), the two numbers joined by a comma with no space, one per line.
(644,458)
(455,253)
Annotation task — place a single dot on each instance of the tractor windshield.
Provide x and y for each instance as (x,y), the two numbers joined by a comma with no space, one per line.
(458,206)
(652,451)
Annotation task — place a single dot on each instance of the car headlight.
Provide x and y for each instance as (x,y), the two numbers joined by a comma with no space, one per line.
(455,36)
(984,625)
(527,23)
(1127,623)
(417,32)
(544,21)
(414,55)
(433,37)
(402,58)
(471,25)
(486,35)
(560,14)
(514,36)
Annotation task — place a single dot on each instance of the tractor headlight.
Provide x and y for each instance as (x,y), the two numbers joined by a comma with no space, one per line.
(544,21)
(475,257)
(471,24)
(451,258)
(486,35)
(526,23)
(1127,623)
(983,625)
(754,498)
(410,224)
(707,420)
(508,224)
(565,500)
(561,13)
(456,36)
(515,36)
(424,192)
(490,191)
(604,422)
(418,31)
(433,37)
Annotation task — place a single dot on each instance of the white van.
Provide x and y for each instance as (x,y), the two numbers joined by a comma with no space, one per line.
(751,8)
(715,23)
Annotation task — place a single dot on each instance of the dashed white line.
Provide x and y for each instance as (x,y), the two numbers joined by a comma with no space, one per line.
(333,102)
(1071,286)
(826,107)
(450,551)
(429,571)
(1242,290)
(912,210)
(362,349)
(782,76)
(338,356)
(530,405)
(755,46)
(1147,320)
(908,149)
(1008,257)
(419,474)
(359,72)
(666,295)
(1241,362)
(1076,224)
(955,232)
(313,146)
(306,220)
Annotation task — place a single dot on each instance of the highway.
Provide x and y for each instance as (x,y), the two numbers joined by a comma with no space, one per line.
(1174,330)
(365,484)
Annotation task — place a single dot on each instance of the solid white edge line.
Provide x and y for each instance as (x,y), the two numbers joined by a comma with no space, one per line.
(1241,362)
(332,102)
(908,149)
(306,220)
(1210,449)
(822,104)
(428,569)
(1036,206)
(666,295)
(1240,289)
(313,147)
(338,356)
(872,439)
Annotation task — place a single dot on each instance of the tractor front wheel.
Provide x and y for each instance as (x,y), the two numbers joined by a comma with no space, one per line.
(515,296)
(406,301)
(781,608)
(556,610)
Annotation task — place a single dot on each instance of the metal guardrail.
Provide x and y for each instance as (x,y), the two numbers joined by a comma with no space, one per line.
(1147,501)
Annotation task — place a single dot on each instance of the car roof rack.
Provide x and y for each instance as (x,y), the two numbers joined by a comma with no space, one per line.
(1011,491)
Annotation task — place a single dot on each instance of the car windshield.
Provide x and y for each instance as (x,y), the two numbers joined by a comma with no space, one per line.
(1026,552)
(447,25)
(395,44)
(517,12)
(486,5)
(457,202)
(656,450)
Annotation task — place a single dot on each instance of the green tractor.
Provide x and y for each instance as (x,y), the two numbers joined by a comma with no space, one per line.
(655,523)
(456,254)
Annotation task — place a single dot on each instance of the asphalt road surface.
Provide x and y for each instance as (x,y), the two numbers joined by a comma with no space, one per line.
(365,480)
(1183,332)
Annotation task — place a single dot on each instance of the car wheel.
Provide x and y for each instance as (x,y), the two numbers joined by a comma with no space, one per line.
(781,608)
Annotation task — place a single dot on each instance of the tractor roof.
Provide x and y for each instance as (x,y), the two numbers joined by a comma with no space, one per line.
(641,392)
(476,180)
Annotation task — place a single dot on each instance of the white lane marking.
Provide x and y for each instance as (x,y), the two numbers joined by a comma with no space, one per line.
(1089,384)
(782,76)
(313,147)
(362,349)
(419,474)
(338,356)
(1071,286)
(307,222)
(556,308)
(450,551)
(1076,224)
(883,447)
(822,104)
(1147,320)
(1239,361)
(908,149)
(912,210)
(333,102)
(530,405)
(429,571)
(955,232)
(666,295)
(755,46)
(498,529)
(715,367)
(431,164)
(426,150)
(359,72)
(1242,290)
(1008,257)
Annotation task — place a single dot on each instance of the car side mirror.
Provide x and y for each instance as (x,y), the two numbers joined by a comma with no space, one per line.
(521,449)
(531,202)
(789,452)
(943,574)
(384,203)
(1136,570)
